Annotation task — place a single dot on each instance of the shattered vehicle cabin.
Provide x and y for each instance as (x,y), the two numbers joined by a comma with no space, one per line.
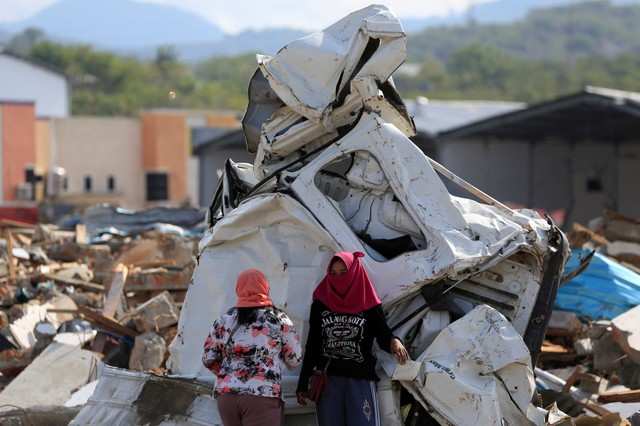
(466,282)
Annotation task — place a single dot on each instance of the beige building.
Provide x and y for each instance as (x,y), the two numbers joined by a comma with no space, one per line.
(129,162)
(102,157)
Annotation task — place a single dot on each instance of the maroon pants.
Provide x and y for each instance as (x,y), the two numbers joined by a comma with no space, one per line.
(249,410)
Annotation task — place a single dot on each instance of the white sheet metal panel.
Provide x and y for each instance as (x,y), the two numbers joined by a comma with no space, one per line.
(22,80)
(119,400)
(460,233)
(307,74)
(478,372)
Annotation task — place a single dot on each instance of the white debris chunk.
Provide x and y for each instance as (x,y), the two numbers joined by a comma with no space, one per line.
(478,371)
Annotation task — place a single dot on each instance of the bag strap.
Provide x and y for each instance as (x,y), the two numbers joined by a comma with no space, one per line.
(233,331)
(326,366)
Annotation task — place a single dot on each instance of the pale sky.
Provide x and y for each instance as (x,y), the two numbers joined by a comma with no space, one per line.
(237,15)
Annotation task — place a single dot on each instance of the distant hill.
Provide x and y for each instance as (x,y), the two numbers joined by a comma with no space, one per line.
(264,41)
(119,24)
(596,28)
(492,12)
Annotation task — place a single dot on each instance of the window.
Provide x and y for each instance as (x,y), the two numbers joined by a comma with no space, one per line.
(87,184)
(65,183)
(157,186)
(111,184)
(594,184)
(30,175)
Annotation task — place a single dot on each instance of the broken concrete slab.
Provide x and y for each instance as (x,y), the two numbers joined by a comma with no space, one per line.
(39,416)
(148,352)
(619,227)
(607,355)
(563,323)
(52,377)
(79,271)
(159,279)
(626,332)
(157,313)
(61,302)
(617,248)
(161,250)
(22,329)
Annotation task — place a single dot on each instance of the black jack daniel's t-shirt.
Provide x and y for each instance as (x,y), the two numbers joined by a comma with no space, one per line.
(346,341)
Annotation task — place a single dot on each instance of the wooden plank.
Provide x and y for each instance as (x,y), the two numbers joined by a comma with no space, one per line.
(106,323)
(81,234)
(114,298)
(16,224)
(62,311)
(573,378)
(595,408)
(552,348)
(161,263)
(10,264)
(622,396)
(76,283)
(156,287)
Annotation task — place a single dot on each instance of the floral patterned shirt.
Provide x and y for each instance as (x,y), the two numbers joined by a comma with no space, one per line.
(251,361)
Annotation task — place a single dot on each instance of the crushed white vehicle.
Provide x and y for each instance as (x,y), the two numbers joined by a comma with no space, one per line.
(467,282)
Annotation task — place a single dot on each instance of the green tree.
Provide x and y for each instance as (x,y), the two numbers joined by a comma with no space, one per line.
(21,43)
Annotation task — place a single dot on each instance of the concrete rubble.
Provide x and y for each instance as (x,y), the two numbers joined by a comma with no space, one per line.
(148,352)
(590,361)
(74,302)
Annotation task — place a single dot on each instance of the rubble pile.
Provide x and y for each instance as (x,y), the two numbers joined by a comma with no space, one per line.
(467,283)
(613,234)
(590,360)
(71,301)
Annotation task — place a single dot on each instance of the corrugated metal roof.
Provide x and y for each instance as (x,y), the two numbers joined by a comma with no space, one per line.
(621,95)
(435,116)
(40,65)
(599,99)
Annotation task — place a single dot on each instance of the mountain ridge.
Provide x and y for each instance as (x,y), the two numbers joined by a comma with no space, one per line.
(494,12)
(116,24)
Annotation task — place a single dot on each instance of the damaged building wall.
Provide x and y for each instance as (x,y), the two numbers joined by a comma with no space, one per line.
(629,174)
(581,157)
(581,178)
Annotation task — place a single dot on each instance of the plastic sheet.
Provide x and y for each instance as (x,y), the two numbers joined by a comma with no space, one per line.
(108,220)
(604,290)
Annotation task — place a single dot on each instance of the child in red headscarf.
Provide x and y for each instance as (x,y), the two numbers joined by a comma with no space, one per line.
(246,350)
(346,316)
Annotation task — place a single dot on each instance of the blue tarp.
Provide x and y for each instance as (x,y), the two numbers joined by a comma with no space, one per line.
(604,290)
